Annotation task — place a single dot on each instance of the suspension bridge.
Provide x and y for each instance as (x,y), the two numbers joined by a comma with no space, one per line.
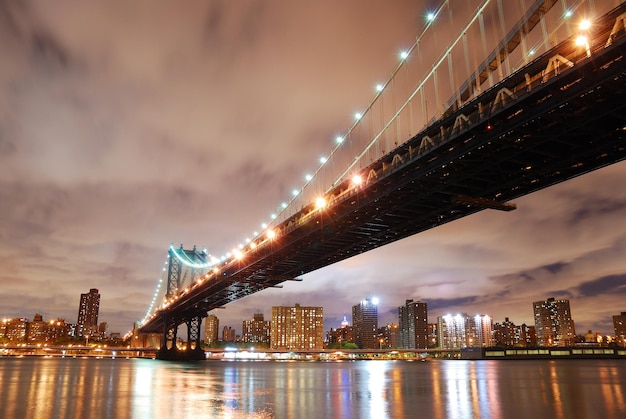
(510,101)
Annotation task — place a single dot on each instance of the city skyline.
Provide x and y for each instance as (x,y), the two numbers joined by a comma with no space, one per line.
(211,324)
(113,144)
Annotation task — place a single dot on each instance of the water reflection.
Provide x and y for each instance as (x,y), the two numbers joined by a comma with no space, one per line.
(78,388)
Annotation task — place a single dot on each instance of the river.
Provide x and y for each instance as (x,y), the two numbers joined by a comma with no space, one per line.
(40,388)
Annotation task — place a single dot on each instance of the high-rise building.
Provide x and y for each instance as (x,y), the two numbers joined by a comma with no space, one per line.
(553,323)
(211,329)
(619,324)
(228,334)
(88,313)
(462,331)
(481,331)
(256,330)
(297,327)
(413,319)
(365,324)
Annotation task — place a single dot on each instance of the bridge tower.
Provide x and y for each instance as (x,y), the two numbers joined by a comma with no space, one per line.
(184,267)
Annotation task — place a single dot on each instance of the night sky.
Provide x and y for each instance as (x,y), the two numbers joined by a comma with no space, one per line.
(126,126)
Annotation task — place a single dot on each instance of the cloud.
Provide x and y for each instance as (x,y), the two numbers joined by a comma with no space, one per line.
(125,126)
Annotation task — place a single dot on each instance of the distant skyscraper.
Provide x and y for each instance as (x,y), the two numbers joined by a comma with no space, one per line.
(88,309)
(365,324)
(256,330)
(297,327)
(619,324)
(344,322)
(211,329)
(553,323)
(413,319)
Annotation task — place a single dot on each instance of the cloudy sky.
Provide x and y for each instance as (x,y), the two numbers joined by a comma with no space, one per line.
(125,126)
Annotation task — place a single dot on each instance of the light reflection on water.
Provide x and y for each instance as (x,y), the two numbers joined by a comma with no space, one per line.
(120,388)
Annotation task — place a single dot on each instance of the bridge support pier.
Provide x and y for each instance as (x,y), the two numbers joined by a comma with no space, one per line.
(192,352)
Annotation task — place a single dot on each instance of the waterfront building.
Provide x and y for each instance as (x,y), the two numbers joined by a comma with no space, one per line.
(14,330)
(58,330)
(228,334)
(453,331)
(553,322)
(389,336)
(297,328)
(619,325)
(508,334)
(344,334)
(37,330)
(211,329)
(433,338)
(256,330)
(87,323)
(365,323)
(462,331)
(481,331)
(413,319)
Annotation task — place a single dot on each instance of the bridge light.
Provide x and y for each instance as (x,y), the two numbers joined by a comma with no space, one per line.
(283,204)
(581,40)
(379,87)
(271,234)
(238,255)
(273,216)
(323,159)
(430,16)
(215,270)
(253,245)
(294,192)
(320,203)
(308,177)
(339,139)
(584,25)
(375,301)
(264,226)
(357,180)
(358,115)
(404,55)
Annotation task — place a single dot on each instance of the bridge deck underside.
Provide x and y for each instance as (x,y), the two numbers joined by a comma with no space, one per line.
(572,124)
